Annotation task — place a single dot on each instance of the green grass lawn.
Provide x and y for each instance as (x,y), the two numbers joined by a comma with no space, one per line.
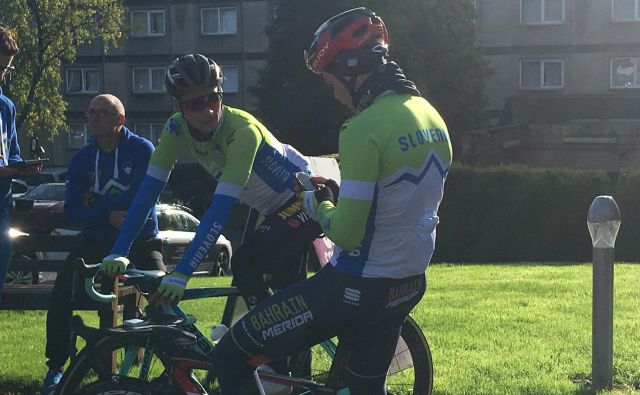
(493,329)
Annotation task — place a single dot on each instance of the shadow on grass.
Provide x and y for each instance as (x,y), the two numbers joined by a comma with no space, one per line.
(584,381)
(518,264)
(19,387)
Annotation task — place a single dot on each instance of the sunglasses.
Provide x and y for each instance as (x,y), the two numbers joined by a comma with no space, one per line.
(201,102)
(98,113)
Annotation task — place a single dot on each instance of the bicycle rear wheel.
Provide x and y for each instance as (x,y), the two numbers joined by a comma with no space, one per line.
(410,373)
(134,361)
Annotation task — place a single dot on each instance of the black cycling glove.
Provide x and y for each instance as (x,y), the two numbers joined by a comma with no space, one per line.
(323,194)
(335,189)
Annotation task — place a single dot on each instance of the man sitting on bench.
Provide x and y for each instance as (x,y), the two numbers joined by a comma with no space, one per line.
(102,180)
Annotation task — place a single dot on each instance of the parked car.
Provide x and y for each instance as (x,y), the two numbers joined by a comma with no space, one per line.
(20,277)
(44,197)
(48,174)
(177,227)
(18,188)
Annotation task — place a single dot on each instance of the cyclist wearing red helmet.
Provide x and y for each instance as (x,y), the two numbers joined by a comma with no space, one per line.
(395,154)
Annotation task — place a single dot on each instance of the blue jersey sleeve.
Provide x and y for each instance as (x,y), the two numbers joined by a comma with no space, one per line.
(138,213)
(208,232)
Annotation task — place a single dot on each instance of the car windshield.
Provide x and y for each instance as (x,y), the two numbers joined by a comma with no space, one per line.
(46,192)
(43,178)
(179,220)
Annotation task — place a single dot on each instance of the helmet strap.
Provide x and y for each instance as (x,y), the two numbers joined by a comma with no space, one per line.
(349,82)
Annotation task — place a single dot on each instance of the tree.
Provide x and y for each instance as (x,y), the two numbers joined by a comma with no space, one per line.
(432,40)
(48,33)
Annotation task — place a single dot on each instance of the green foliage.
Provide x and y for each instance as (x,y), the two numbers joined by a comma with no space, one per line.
(431,39)
(48,33)
(510,214)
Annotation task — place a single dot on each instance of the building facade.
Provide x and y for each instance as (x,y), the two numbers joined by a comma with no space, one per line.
(230,31)
(566,80)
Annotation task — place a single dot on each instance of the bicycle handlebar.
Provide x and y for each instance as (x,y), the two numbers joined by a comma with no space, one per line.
(95,295)
(89,272)
(146,280)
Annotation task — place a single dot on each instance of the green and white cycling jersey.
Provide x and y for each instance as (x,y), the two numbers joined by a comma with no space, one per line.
(394,159)
(246,159)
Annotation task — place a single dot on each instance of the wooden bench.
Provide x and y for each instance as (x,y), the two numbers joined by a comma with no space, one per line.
(37,296)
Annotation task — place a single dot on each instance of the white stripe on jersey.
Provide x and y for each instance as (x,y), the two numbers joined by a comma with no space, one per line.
(361,190)
(158,173)
(228,189)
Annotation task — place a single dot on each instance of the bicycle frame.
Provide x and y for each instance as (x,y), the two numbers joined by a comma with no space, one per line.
(204,346)
(200,360)
(188,348)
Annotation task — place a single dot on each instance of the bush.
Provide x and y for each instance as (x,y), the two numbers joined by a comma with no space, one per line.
(506,214)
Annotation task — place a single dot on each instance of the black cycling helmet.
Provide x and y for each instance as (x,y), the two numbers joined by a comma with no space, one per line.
(353,42)
(192,72)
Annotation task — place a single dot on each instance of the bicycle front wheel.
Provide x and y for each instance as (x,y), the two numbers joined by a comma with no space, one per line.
(410,373)
(120,387)
(124,360)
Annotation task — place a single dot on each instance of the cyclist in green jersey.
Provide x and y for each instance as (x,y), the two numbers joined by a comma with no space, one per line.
(395,154)
(250,165)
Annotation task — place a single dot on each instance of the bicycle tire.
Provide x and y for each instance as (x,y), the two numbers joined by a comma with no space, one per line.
(89,368)
(414,380)
(124,386)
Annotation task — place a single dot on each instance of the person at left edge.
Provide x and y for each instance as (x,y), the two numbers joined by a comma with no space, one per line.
(102,180)
(9,150)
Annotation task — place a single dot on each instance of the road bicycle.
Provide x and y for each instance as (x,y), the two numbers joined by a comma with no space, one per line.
(164,353)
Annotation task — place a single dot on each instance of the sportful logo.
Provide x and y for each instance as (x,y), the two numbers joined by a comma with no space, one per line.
(352,296)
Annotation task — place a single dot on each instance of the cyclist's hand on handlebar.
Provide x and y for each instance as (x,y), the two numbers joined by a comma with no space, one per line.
(170,290)
(114,265)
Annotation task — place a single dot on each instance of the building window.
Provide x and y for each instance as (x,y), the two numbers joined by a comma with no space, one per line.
(147,23)
(474,10)
(624,73)
(541,74)
(77,135)
(150,131)
(230,83)
(82,80)
(148,79)
(625,10)
(541,12)
(219,20)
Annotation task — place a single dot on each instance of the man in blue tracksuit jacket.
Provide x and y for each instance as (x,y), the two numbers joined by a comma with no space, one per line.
(102,180)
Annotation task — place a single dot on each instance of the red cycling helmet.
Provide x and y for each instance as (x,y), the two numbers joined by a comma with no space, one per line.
(352,42)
